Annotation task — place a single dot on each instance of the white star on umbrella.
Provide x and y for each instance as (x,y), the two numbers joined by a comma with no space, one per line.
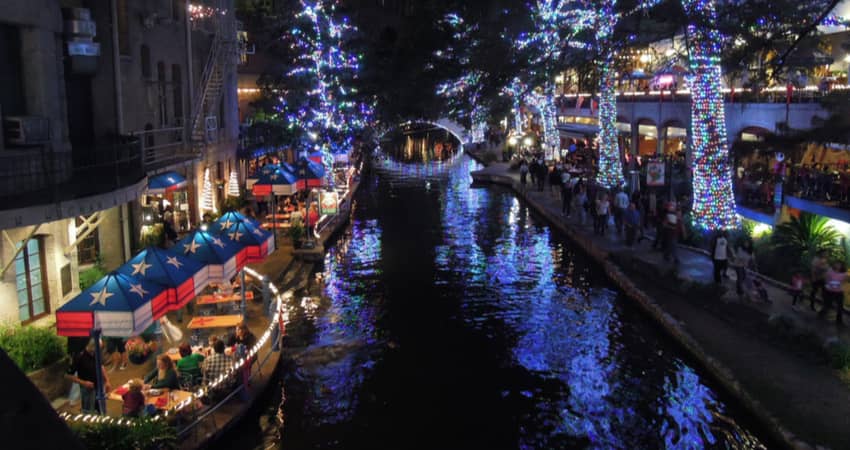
(173,261)
(140,268)
(258,232)
(227,224)
(138,289)
(218,242)
(191,247)
(100,297)
(235,235)
(274,177)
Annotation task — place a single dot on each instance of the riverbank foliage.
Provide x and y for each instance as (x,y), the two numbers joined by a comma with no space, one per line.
(143,434)
(31,348)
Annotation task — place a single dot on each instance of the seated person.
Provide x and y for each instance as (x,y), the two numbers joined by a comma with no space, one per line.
(163,376)
(217,364)
(242,335)
(189,364)
(134,400)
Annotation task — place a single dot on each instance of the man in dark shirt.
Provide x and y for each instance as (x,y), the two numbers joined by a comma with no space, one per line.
(84,366)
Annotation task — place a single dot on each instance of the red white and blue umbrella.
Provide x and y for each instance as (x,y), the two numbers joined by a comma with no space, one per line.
(257,241)
(223,257)
(183,278)
(119,305)
(316,157)
(265,170)
(310,174)
(166,182)
(276,181)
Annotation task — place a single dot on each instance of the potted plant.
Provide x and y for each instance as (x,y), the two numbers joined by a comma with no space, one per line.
(137,350)
(296,233)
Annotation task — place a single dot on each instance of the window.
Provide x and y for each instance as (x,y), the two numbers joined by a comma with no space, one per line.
(31,280)
(163,95)
(11,80)
(88,248)
(149,140)
(176,10)
(177,86)
(146,61)
(123,28)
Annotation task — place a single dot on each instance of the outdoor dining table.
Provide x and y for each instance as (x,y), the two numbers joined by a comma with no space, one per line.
(161,401)
(277,217)
(225,321)
(223,298)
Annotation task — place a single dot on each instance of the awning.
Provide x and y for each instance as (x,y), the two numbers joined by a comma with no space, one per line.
(166,182)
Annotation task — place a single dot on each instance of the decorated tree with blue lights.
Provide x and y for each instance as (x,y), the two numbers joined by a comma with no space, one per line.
(610,172)
(321,101)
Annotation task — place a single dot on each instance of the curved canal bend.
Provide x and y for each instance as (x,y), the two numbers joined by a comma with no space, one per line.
(452,318)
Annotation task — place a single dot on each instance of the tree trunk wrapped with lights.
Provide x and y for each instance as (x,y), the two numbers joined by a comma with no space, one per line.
(610,172)
(714,201)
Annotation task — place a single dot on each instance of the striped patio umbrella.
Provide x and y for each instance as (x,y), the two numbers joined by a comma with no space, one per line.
(183,278)
(277,181)
(265,170)
(119,305)
(257,241)
(310,174)
(223,257)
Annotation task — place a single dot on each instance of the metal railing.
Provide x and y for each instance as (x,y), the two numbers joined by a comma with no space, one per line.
(163,146)
(48,177)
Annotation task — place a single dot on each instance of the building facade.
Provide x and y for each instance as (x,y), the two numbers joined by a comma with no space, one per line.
(97,99)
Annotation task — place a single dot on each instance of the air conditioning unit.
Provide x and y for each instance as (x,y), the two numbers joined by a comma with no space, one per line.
(26,130)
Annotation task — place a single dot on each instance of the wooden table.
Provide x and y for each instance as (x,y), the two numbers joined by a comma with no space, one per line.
(223,298)
(179,396)
(280,225)
(215,321)
(277,217)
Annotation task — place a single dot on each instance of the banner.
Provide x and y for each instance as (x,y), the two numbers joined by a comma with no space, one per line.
(655,173)
(329,202)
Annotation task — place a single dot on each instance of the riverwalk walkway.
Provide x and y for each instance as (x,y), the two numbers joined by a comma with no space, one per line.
(769,355)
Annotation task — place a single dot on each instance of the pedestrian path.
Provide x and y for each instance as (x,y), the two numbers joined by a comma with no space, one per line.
(787,377)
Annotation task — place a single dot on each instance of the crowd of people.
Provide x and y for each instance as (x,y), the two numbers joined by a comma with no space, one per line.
(194,368)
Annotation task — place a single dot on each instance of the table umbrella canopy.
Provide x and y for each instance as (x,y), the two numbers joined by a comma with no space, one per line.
(309,173)
(119,305)
(231,217)
(316,157)
(183,278)
(265,170)
(222,256)
(277,181)
(166,182)
(257,241)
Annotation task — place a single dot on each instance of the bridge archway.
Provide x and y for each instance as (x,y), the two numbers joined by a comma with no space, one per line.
(455,129)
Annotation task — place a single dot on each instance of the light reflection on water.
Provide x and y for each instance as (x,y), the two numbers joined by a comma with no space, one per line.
(574,365)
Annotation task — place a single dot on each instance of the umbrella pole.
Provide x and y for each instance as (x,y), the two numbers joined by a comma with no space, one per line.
(98,373)
(274,219)
(242,283)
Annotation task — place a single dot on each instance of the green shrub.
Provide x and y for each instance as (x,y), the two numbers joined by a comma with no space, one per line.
(840,354)
(92,275)
(31,348)
(143,434)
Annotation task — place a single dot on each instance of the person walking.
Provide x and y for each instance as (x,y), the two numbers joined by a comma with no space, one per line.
(542,173)
(566,194)
(631,219)
(670,229)
(523,173)
(719,256)
(555,180)
(621,204)
(820,267)
(833,293)
(742,259)
(532,170)
(602,209)
(83,371)
(580,200)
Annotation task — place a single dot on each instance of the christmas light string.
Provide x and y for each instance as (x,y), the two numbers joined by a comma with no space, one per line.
(714,201)
(610,172)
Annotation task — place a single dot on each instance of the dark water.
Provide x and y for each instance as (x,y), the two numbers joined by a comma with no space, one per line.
(451,318)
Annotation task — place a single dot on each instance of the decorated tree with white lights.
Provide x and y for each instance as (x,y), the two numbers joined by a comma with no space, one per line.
(321,100)
(610,172)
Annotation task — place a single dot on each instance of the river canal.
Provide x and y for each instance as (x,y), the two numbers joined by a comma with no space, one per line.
(451,317)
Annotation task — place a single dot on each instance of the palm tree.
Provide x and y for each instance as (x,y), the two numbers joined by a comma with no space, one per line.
(802,238)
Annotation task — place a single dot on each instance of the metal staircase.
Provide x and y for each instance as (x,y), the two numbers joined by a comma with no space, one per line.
(222,56)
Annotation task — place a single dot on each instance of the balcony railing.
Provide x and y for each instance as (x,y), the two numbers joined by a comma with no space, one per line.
(47,177)
(164,146)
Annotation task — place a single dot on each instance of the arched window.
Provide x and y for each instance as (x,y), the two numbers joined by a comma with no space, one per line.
(146,61)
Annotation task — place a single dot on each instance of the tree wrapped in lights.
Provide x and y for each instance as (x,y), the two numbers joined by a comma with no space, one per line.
(714,200)
(516,89)
(544,101)
(610,172)
(321,102)
(207,193)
